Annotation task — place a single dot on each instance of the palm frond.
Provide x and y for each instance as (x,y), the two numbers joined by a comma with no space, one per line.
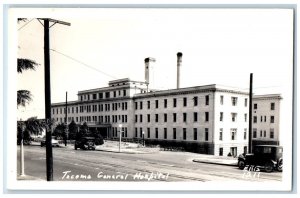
(23,97)
(25,64)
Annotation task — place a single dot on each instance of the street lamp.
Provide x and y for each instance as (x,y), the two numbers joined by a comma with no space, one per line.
(22,173)
(120,126)
(143,138)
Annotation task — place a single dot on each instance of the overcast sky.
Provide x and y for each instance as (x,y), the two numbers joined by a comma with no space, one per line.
(219,46)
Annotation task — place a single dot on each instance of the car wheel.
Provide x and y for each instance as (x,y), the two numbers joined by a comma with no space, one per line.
(241,164)
(279,165)
(269,167)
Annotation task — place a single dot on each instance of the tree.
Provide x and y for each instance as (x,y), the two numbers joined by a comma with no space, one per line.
(30,126)
(59,131)
(24,96)
(72,130)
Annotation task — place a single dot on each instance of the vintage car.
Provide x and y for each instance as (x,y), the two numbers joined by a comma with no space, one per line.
(267,157)
(54,142)
(85,143)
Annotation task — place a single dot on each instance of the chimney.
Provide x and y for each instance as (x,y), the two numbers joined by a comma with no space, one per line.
(147,68)
(179,61)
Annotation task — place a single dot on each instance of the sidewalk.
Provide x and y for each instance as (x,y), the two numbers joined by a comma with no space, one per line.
(28,177)
(220,160)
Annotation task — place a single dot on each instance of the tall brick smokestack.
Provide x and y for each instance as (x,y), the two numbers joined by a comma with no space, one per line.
(147,69)
(179,62)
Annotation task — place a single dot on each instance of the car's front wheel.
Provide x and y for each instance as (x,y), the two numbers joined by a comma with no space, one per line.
(241,164)
(269,167)
(279,165)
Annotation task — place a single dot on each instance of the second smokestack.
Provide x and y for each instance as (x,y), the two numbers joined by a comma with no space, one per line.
(179,63)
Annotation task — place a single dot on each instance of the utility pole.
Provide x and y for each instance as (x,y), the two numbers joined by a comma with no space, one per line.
(66,129)
(49,156)
(250,114)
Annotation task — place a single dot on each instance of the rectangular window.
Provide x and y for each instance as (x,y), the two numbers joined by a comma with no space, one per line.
(174,117)
(265,118)
(148,117)
(141,105)
(156,117)
(174,102)
(115,94)
(246,102)
(233,117)
(195,116)
(141,132)
(206,116)
(221,100)
(184,117)
(165,103)
(148,132)
(184,102)
(272,106)
(254,133)
(255,106)
(184,134)
(265,133)
(221,134)
(234,101)
(100,95)
(107,94)
(156,133)
(148,104)
(206,134)
(272,133)
(141,118)
(195,101)
(136,118)
(156,104)
(136,132)
(221,116)
(261,133)
(254,119)
(207,100)
(261,118)
(233,134)
(136,105)
(245,117)
(165,117)
(165,133)
(174,133)
(245,133)
(220,151)
(272,119)
(124,93)
(195,134)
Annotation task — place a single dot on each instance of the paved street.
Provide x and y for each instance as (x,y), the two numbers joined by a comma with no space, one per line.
(79,165)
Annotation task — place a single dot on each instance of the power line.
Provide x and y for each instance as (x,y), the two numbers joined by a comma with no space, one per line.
(82,63)
(25,24)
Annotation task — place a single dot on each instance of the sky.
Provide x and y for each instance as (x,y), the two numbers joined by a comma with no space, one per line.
(219,46)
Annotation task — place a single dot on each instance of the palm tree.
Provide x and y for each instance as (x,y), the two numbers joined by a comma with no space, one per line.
(24,96)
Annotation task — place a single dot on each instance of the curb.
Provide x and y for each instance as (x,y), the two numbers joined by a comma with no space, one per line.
(122,151)
(209,162)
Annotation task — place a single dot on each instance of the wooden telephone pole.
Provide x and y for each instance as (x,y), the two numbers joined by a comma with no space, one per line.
(49,156)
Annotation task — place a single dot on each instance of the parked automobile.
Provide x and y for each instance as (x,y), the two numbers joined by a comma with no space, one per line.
(268,157)
(85,143)
(53,141)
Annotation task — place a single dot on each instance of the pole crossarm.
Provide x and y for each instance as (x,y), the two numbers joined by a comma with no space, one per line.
(54,21)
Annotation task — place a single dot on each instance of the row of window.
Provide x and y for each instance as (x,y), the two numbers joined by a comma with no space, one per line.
(93,108)
(139,105)
(272,106)
(101,119)
(264,119)
(116,132)
(233,134)
(234,101)
(263,133)
(140,133)
(174,117)
(103,95)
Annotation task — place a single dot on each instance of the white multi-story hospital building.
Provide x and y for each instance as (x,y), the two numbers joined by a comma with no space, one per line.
(212,118)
